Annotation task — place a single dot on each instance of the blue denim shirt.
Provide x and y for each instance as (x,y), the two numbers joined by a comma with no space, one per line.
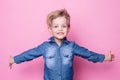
(58,60)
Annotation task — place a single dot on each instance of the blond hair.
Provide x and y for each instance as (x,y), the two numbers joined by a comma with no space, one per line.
(58,13)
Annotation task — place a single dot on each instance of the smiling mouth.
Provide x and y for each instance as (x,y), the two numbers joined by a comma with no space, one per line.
(60,33)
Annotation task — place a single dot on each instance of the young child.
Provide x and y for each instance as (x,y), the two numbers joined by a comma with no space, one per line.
(58,52)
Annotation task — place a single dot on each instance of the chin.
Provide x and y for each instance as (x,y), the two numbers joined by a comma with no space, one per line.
(60,38)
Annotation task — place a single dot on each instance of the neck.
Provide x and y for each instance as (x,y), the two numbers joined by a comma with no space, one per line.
(58,41)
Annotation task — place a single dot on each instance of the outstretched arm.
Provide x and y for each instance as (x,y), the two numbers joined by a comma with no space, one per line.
(87,54)
(27,55)
(92,56)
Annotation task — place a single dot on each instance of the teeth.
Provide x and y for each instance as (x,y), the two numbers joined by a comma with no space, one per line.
(60,33)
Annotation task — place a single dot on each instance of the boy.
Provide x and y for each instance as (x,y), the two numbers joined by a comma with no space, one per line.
(58,52)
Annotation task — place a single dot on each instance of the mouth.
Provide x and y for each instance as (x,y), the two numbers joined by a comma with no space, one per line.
(60,33)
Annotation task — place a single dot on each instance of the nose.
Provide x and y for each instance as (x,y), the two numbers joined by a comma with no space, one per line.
(60,28)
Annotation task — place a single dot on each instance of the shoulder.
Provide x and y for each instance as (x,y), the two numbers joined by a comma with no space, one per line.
(43,44)
(74,44)
(71,43)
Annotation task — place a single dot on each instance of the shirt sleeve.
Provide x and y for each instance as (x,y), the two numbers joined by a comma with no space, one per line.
(89,55)
(29,54)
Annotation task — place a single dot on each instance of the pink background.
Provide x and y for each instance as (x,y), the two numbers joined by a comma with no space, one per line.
(95,24)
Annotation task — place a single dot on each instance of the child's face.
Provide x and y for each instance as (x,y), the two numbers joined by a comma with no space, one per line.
(59,28)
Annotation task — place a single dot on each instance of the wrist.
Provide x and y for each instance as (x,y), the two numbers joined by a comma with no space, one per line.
(12,60)
(106,58)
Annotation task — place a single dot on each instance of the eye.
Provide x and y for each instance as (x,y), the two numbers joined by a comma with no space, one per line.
(64,26)
(55,26)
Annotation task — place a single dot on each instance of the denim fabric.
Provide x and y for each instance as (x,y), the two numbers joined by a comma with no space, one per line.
(58,60)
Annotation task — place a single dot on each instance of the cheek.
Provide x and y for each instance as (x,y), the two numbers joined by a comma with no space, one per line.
(51,30)
(54,30)
(66,30)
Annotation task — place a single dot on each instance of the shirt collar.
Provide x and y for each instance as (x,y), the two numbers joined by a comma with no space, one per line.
(51,39)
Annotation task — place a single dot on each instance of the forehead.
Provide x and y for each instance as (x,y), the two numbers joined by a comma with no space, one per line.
(59,20)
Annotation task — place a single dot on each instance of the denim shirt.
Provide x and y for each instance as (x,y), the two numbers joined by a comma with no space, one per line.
(58,60)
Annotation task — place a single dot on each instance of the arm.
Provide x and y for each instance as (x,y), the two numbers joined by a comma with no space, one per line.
(89,55)
(27,55)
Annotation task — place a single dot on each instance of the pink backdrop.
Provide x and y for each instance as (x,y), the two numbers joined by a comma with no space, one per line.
(95,24)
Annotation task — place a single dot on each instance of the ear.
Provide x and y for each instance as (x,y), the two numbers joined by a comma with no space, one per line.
(68,29)
(49,29)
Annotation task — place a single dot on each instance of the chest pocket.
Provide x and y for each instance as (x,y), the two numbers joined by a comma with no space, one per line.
(50,53)
(50,58)
(67,55)
(67,59)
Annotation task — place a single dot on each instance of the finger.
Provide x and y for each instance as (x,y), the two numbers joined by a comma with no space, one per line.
(113,57)
(110,52)
(10,66)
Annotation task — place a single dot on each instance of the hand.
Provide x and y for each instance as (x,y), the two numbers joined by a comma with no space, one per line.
(109,57)
(11,62)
